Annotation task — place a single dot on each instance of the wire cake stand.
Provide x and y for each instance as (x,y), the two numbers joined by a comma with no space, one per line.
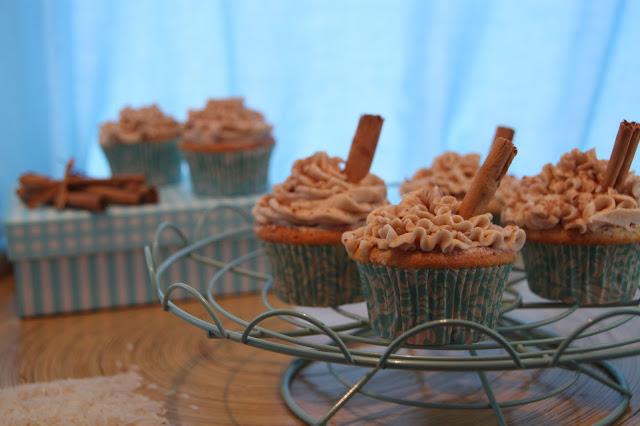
(541,341)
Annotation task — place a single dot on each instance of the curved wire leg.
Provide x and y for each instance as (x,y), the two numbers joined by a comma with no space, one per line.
(285,389)
(490,395)
(618,378)
(289,375)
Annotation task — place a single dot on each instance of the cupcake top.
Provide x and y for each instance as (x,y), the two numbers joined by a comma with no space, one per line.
(426,221)
(452,173)
(226,121)
(318,195)
(569,196)
(146,124)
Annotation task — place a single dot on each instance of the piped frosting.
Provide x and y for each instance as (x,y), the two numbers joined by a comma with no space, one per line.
(452,173)
(146,124)
(317,194)
(569,195)
(427,221)
(226,121)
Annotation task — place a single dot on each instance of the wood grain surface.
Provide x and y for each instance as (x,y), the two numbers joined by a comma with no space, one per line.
(205,381)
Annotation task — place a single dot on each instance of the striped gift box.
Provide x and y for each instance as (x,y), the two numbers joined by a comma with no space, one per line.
(68,261)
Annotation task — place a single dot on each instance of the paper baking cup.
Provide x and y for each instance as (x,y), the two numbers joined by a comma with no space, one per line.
(583,274)
(158,161)
(399,299)
(229,173)
(313,275)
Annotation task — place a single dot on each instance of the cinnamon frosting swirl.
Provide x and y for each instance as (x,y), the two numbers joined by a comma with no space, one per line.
(569,195)
(427,221)
(317,194)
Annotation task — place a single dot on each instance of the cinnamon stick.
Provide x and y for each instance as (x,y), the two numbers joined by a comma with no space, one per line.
(86,201)
(363,147)
(487,179)
(42,197)
(504,132)
(61,198)
(619,153)
(149,195)
(117,180)
(116,195)
(35,181)
(628,158)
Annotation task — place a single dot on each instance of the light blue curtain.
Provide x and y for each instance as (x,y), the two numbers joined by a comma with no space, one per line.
(442,73)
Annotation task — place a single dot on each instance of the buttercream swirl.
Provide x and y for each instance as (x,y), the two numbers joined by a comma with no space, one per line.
(452,173)
(317,194)
(427,221)
(146,124)
(569,195)
(224,121)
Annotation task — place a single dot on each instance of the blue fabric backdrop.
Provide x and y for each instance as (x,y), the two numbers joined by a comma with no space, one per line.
(442,73)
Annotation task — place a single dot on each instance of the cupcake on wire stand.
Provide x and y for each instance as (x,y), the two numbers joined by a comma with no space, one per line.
(301,221)
(433,257)
(582,219)
(452,173)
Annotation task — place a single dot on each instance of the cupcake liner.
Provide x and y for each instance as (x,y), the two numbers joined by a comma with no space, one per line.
(399,299)
(158,161)
(311,275)
(229,173)
(583,274)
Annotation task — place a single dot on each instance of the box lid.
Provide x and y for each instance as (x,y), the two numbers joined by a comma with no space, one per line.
(47,232)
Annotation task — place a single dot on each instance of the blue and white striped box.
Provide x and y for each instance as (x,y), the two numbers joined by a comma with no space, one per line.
(69,261)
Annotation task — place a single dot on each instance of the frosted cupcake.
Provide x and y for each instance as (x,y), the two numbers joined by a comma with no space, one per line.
(300,224)
(143,140)
(452,174)
(433,257)
(420,261)
(228,147)
(582,235)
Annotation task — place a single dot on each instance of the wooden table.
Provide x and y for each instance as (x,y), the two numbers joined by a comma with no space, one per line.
(205,381)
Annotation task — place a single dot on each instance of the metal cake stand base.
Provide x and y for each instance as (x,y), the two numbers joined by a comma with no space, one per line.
(543,341)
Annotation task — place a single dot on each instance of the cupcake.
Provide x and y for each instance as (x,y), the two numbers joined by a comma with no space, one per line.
(452,174)
(228,148)
(143,140)
(433,257)
(582,235)
(300,224)
(421,261)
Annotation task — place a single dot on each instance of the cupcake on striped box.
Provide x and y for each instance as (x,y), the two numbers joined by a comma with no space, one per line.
(433,257)
(143,140)
(228,147)
(582,219)
(452,173)
(301,221)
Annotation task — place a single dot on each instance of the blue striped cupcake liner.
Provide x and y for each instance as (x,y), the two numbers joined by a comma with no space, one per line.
(594,274)
(229,173)
(399,299)
(310,275)
(158,161)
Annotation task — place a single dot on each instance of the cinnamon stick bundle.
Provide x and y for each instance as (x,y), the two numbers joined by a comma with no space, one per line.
(84,193)
(363,147)
(488,177)
(622,154)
